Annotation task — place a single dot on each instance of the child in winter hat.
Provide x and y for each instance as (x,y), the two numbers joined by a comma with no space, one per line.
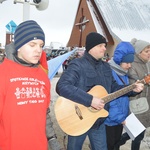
(124,52)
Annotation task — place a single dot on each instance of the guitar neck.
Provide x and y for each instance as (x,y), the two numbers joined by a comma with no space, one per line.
(120,92)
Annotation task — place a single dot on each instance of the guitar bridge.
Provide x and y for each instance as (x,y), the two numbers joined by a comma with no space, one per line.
(78,112)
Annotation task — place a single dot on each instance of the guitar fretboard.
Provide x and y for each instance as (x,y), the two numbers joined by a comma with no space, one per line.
(120,92)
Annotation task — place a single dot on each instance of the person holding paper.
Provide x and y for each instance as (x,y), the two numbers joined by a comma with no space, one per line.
(139,105)
(120,63)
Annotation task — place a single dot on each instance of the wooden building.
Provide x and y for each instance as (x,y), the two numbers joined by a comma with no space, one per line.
(116,20)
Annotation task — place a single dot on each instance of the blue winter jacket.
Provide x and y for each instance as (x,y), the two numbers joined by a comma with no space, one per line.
(81,75)
(119,108)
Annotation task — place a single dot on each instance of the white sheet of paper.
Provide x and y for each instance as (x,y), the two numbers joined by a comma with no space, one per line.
(133,126)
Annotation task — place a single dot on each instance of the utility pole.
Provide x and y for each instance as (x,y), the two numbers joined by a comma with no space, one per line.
(39,4)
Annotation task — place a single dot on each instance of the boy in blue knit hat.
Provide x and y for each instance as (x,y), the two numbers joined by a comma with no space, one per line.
(24,91)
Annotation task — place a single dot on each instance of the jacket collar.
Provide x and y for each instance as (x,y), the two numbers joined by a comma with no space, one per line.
(12,55)
(91,59)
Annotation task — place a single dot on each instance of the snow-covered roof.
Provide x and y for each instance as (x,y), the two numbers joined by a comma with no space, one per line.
(126,19)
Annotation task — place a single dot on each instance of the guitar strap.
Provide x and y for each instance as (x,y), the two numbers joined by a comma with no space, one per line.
(121,79)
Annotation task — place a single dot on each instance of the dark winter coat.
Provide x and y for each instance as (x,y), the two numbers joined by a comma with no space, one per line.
(81,75)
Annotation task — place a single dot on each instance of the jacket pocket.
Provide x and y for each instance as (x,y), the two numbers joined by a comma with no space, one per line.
(90,78)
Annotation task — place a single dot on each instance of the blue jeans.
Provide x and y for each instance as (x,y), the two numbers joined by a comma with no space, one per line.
(97,139)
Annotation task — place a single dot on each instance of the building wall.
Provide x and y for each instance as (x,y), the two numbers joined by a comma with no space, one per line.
(9,38)
(75,37)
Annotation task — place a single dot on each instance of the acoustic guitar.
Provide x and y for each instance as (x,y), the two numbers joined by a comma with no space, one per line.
(75,119)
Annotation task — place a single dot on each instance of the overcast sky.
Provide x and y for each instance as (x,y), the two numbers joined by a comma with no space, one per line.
(57,20)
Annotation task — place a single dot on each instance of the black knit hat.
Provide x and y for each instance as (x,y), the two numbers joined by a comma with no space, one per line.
(27,31)
(94,39)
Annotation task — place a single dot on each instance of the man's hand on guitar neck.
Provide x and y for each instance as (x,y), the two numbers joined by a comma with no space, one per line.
(139,87)
(97,103)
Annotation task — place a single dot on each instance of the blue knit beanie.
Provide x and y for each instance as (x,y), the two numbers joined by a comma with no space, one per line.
(27,31)
(129,58)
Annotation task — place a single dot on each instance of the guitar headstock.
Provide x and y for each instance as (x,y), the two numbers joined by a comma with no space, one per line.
(147,79)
